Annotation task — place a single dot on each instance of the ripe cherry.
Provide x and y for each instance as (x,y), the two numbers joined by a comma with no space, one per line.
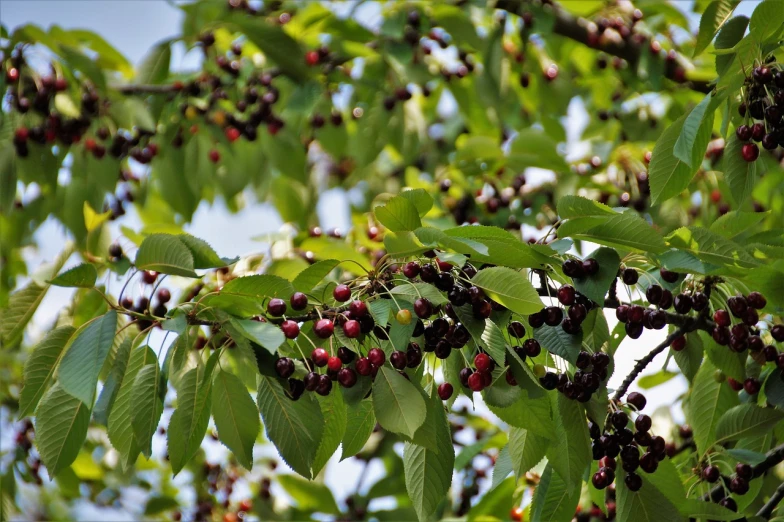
(298,301)
(516,329)
(648,462)
(276,307)
(739,486)
(668,276)
(642,423)
(352,328)
(630,276)
(567,295)
(347,377)
(744,471)
(312,58)
(752,386)
(411,269)
(749,152)
(323,328)
(149,277)
(423,308)
(483,362)
(573,268)
(633,481)
(358,309)
(756,300)
(284,367)
(341,293)
(232,134)
(214,156)
(377,356)
(398,360)
(476,382)
(743,132)
(324,386)
(532,347)
(721,318)
(778,332)
(290,329)
(320,357)
(679,343)
(364,366)
(654,294)
(334,363)
(637,400)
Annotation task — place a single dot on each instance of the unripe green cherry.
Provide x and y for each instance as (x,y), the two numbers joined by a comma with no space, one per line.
(719,376)
(403,316)
(539,370)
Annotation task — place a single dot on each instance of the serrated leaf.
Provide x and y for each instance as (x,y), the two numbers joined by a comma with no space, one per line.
(556,341)
(82,276)
(495,342)
(267,335)
(553,500)
(646,505)
(235,416)
(746,420)
(713,18)
(245,296)
(502,467)
(420,199)
(626,231)
(509,288)
(309,495)
(700,510)
(412,292)
(111,386)
(570,207)
(735,222)
(655,379)
(428,474)
(570,452)
(40,366)
(397,403)
(360,421)
(86,354)
(147,399)
(690,358)
(313,275)
(729,362)
(166,254)
(155,65)
(119,427)
(526,449)
(188,423)
(595,287)
(380,309)
(711,248)
(203,254)
(532,414)
(766,21)
(729,35)
(60,427)
(333,409)
(696,132)
(398,215)
(294,427)
(741,175)
(276,45)
(707,401)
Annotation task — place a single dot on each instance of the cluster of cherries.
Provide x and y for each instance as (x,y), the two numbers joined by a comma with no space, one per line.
(619,439)
(142,305)
(738,484)
(591,372)
(763,103)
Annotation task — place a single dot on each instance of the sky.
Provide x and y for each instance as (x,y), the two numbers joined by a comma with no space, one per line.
(133,27)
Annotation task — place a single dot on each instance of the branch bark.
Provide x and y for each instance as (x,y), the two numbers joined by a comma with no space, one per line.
(570,27)
(767,510)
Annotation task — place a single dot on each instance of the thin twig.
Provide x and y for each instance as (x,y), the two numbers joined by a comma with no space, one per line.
(767,510)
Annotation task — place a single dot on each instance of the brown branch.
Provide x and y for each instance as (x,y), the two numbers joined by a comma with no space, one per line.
(136,89)
(767,510)
(570,27)
(772,458)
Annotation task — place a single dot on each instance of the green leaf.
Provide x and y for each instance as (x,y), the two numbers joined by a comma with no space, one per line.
(556,341)
(309,495)
(533,415)
(397,403)
(570,207)
(766,21)
(700,510)
(626,231)
(21,306)
(235,416)
(313,275)
(380,309)
(158,504)
(147,399)
(40,366)
(655,379)
(420,199)
(715,16)
(553,501)
(729,35)
(736,222)
(60,428)
(595,287)
(83,276)
(596,331)
(294,427)
(155,66)
(711,248)
(509,288)
(646,505)
(746,420)
(693,140)
(85,356)
(360,421)
(533,148)
(707,401)
(526,449)
(690,358)
(729,362)
(119,427)
(188,423)
(502,467)
(495,343)
(412,292)
(570,452)
(333,409)
(428,474)
(398,215)
(267,335)
(741,175)
(166,254)
(203,254)
(276,45)
(111,386)
(245,296)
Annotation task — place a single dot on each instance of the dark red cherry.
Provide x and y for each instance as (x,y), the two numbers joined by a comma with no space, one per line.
(298,301)
(276,307)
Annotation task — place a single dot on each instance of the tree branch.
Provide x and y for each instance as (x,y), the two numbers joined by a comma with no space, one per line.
(772,458)
(767,510)
(570,27)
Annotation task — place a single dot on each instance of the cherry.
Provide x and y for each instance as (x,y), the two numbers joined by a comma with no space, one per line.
(666,300)
(633,481)
(770,353)
(532,347)
(573,268)
(463,375)
(737,305)
(334,363)
(642,423)
(668,276)
(445,391)
(319,356)
(345,355)
(149,277)
(549,381)
(276,307)
(341,293)
(634,330)
(232,134)
(411,269)
(749,152)
(567,295)
(778,332)
(443,349)
(600,361)
(536,320)
(290,329)
(630,276)
(164,295)
(770,141)
(721,318)
(352,329)
(729,503)
(413,355)
(347,377)
(298,301)
(377,356)
(12,75)
(245,505)
(735,385)
(679,343)
(214,156)
(553,315)
(444,281)
(422,308)
(358,309)
(752,386)
(476,382)
(699,301)
(744,471)
(482,309)
(743,132)
(284,367)
(755,343)
(654,294)
(583,360)
(323,328)
(364,366)
(622,313)
(739,486)
(762,74)
(577,314)
(758,130)
(637,400)
(483,362)
(590,266)
(649,462)
(756,300)
(619,419)
(600,479)
(403,316)
(606,462)
(324,386)
(398,360)
(682,303)
(312,58)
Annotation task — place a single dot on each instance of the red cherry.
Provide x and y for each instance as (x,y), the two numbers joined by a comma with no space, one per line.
(320,357)
(246,505)
(750,152)
(324,328)
(232,134)
(290,329)
(476,382)
(364,366)
(347,377)
(298,301)
(377,356)
(445,391)
(276,307)
(483,362)
(352,329)
(214,156)
(358,309)
(678,344)
(411,269)
(334,363)
(341,293)
(149,277)
(312,58)
(12,75)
